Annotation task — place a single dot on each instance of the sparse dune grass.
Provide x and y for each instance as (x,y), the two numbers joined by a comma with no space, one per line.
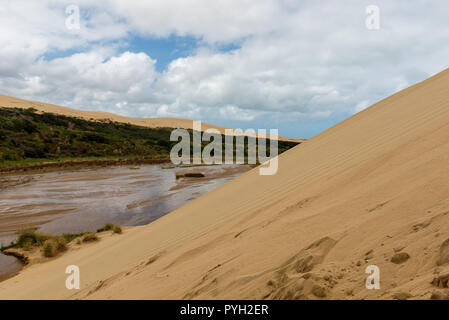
(51,245)
(108,226)
(90,237)
(111,227)
(117,230)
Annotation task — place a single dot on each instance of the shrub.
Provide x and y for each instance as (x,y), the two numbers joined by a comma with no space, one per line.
(38,152)
(27,244)
(108,226)
(51,245)
(90,237)
(69,237)
(42,237)
(49,249)
(11,156)
(61,244)
(117,229)
(26,237)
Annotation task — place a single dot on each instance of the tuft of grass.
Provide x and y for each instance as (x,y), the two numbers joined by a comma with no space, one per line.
(42,237)
(49,249)
(51,245)
(90,237)
(25,237)
(117,229)
(27,245)
(69,237)
(29,237)
(61,243)
(108,226)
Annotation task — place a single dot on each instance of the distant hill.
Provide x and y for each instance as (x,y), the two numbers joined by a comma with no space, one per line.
(11,102)
(30,136)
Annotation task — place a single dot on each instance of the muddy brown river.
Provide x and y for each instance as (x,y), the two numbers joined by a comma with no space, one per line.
(84,200)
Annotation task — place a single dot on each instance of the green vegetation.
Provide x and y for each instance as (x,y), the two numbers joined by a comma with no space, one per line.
(69,237)
(109,226)
(117,230)
(48,249)
(27,137)
(52,245)
(90,237)
(30,237)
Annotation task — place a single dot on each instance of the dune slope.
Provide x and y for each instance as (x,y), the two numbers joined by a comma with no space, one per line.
(370,191)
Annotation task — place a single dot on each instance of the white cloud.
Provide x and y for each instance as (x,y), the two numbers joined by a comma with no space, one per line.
(215,21)
(89,80)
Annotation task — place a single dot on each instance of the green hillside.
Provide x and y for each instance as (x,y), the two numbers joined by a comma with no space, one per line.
(28,136)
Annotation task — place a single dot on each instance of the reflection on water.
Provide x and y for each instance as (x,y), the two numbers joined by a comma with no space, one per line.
(84,200)
(9,267)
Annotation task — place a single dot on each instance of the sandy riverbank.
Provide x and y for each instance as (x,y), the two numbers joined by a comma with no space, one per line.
(85,199)
(41,167)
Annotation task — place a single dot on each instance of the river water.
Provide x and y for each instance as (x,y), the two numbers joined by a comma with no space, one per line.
(84,200)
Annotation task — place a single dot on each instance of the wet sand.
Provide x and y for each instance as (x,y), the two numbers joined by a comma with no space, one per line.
(84,200)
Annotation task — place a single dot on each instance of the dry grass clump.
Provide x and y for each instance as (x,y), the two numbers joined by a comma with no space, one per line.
(115,228)
(51,245)
(90,237)
(108,226)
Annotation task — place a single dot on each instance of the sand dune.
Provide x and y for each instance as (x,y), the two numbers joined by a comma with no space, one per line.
(372,190)
(7,101)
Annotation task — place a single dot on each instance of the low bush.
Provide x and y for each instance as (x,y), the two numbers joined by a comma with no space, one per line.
(117,230)
(50,244)
(49,249)
(108,226)
(90,237)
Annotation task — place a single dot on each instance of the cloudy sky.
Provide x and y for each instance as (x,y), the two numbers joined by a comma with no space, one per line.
(297,65)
